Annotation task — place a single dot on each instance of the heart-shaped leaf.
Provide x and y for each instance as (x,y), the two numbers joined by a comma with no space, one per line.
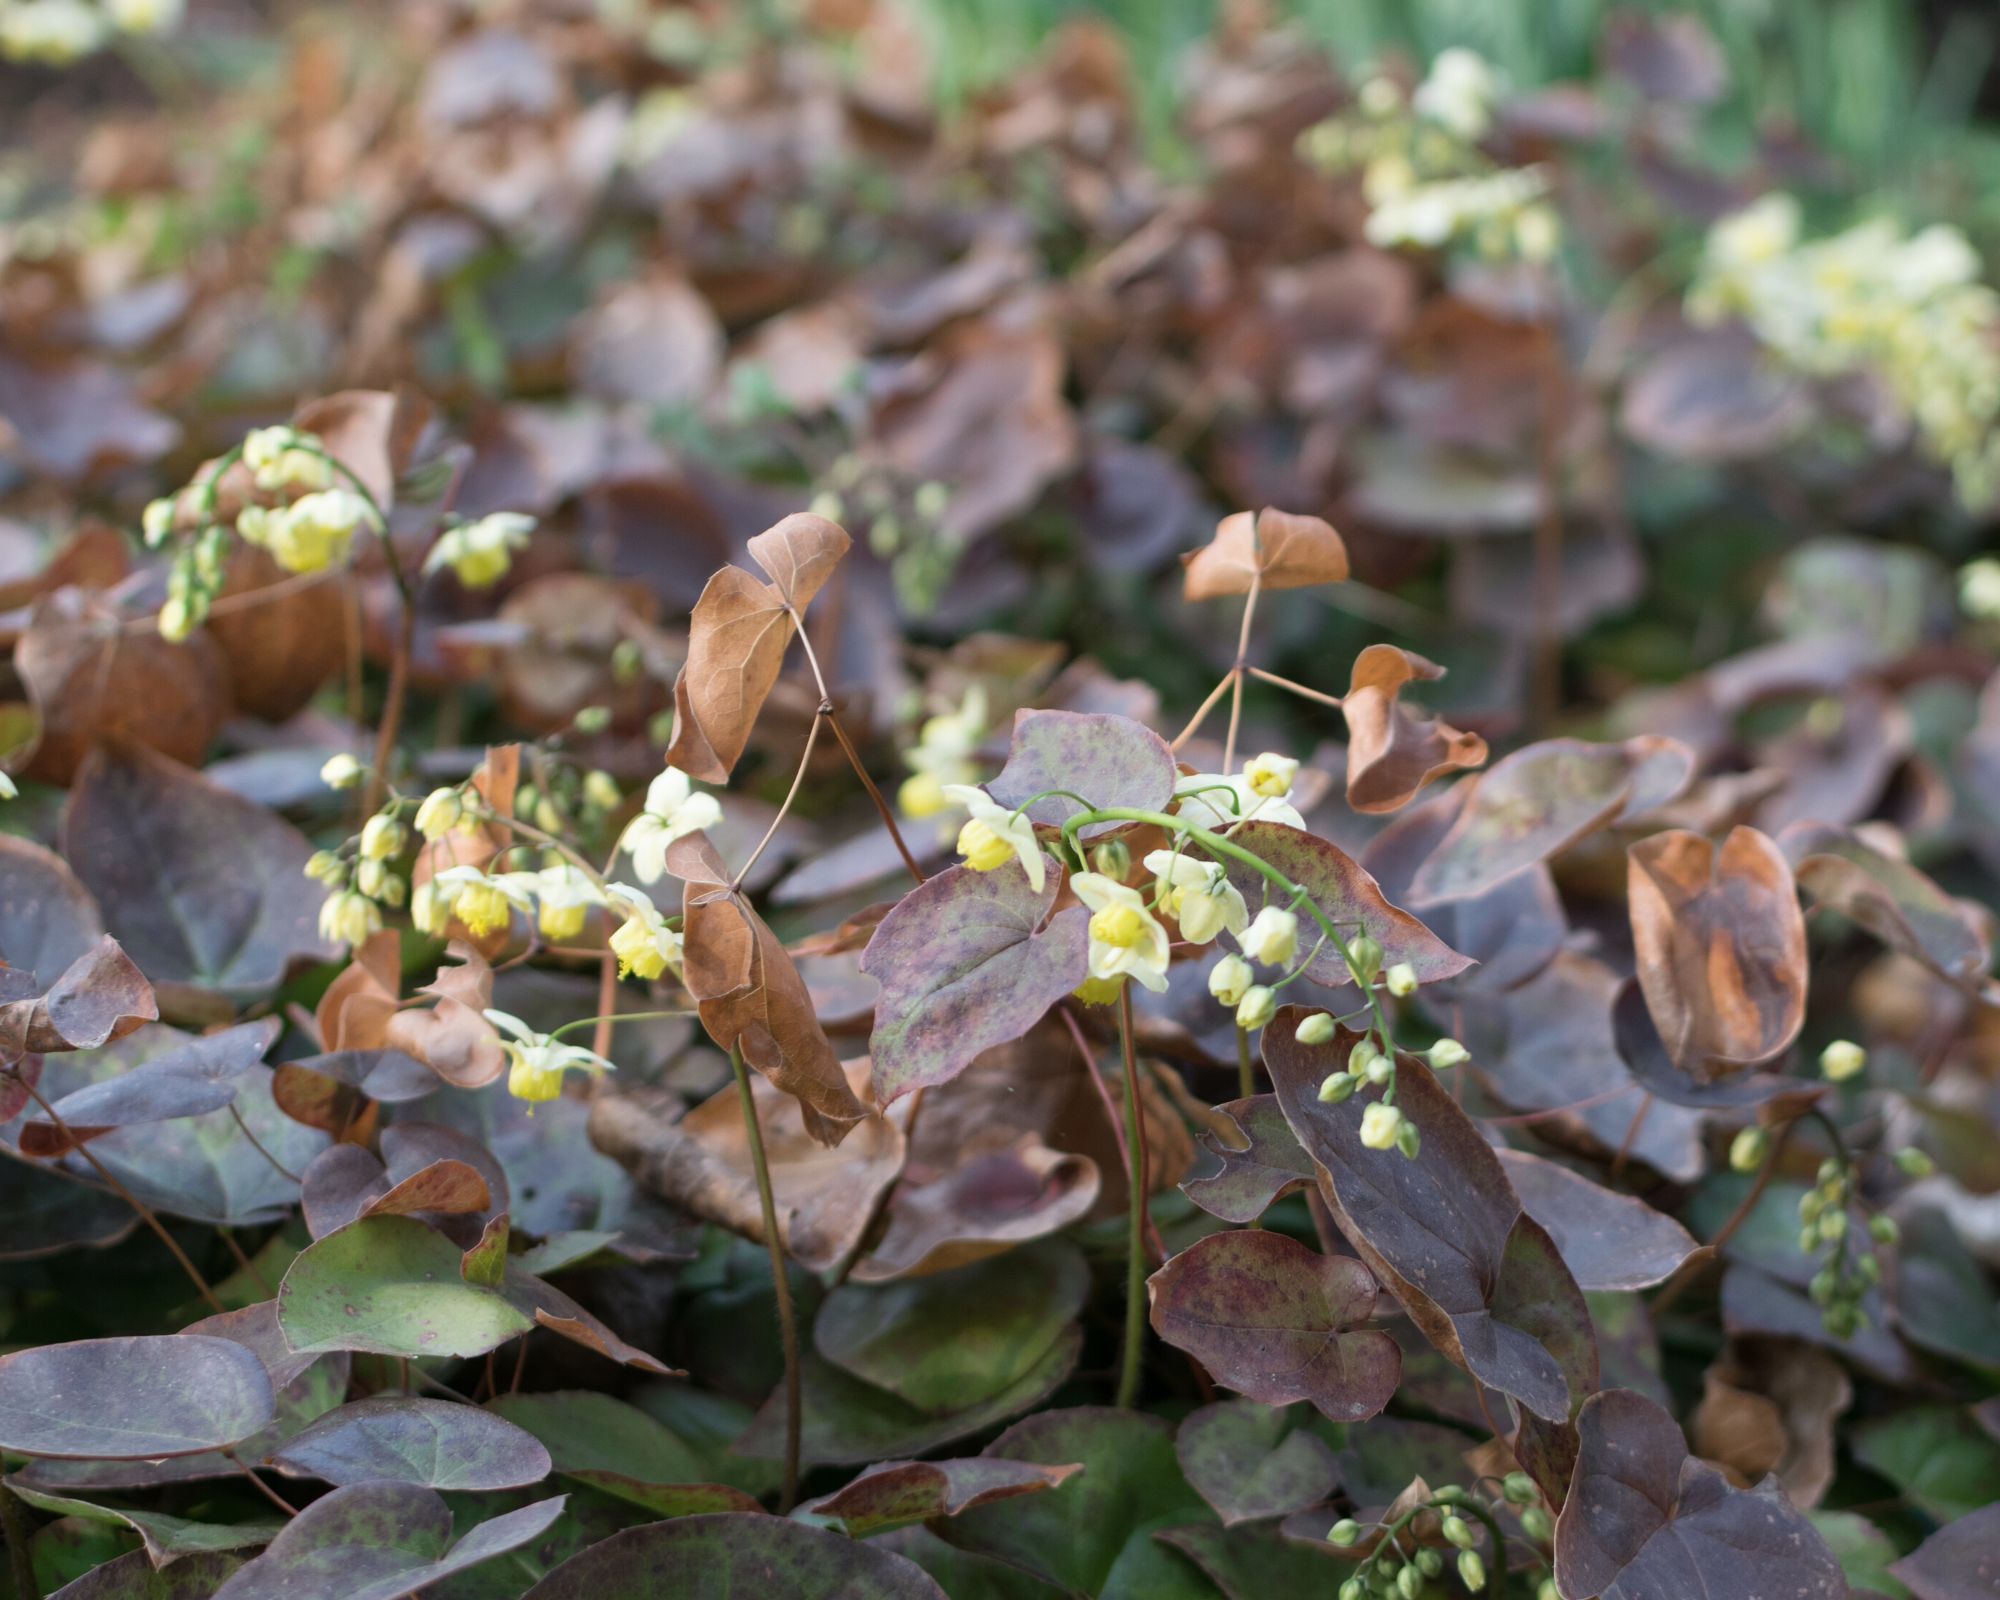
(966,963)
(1608,1240)
(187,1081)
(406,1439)
(1268,549)
(899,1492)
(1262,1164)
(1251,1461)
(1445,1232)
(1392,752)
(379,1541)
(98,998)
(723,1557)
(392,1286)
(1338,885)
(1644,1519)
(134,1577)
(132,1398)
(51,919)
(1277,1322)
(1110,761)
(202,887)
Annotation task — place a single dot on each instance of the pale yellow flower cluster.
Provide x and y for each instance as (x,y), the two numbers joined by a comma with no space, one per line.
(1428,183)
(57,33)
(1908,308)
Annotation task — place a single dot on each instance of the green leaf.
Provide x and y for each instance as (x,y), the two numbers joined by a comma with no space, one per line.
(134,1577)
(733,1557)
(165,1538)
(1250,1461)
(391,1285)
(1935,1455)
(603,1442)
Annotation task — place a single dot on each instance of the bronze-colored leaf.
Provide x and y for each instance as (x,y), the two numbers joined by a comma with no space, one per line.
(1721,947)
(1768,1407)
(1267,549)
(1393,752)
(453,1038)
(800,554)
(751,996)
(100,997)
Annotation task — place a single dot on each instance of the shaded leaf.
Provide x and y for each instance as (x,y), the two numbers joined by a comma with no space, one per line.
(1257,1563)
(620,1450)
(1109,760)
(165,1538)
(1392,752)
(727,1557)
(379,1541)
(1276,1321)
(1608,1240)
(406,1439)
(1262,1166)
(898,1492)
(1714,397)
(1269,549)
(187,1081)
(1959,1562)
(201,887)
(1249,1461)
(987,1204)
(50,919)
(99,997)
(1643,1051)
(132,1398)
(1935,1455)
(1644,1518)
(134,1577)
(965,964)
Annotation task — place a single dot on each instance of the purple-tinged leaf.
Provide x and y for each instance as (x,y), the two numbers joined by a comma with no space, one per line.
(1278,1322)
(966,964)
(1608,1240)
(734,1557)
(165,1538)
(101,996)
(1111,761)
(50,919)
(1336,883)
(1445,1232)
(985,1206)
(1958,1562)
(407,1439)
(898,1492)
(1644,1519)
(188,1081)
(1263,1165)
(379,1541)
(134,1577)
(1250,1461)
(133,1398)
(1260,1563)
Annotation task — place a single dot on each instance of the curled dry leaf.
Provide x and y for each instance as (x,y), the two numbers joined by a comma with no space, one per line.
(737,638)
(1267,549)
(825,1196)
(1721,947)
(1278,1322)
(355,1011)
(94,678)
(1644,1518)
(453,1037)
(1646,1057)
(100,997)
(751,996)
(1392,752)
(967,961)
(895,1492)
(987,1202)
(1445,1233)
(1768,1407)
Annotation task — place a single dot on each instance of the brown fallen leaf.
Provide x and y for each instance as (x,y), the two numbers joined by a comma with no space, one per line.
(280,639)
(1267,549)
(751,996)
(1393,751)
(1721,947)
(453,1038)
(358,1006)
(1768,1406)
(737,638)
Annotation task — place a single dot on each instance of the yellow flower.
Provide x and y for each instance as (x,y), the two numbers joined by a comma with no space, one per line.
(1270,775)
(1126,940)
(1199,894)
(485,905)
(1231,979)
(284,458)
(54,33)
(921,796)
(316,531)
(349,918)
(943,755)
(674,809)
(644,945)
(340,772)
(177,619)
(536,1062)
(564,897)
(442,810)
(995,835)
(1218,801)
(481,552)
(1379,1124)
(1273,938)
(382,838)
(145,16)
(1099,991)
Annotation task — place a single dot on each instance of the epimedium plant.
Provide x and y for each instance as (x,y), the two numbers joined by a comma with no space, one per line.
(922,1279)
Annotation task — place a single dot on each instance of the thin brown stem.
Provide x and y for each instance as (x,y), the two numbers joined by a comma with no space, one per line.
(1298,689)
(244,1264)
(1695,1264)
(16,1529)
(111,1182)
(1631,1137)
(258,1145)
(791,794)
(1201,715)
(1246,1070)
(261,1486)
(392,704)
(788,1327)
(1242,665)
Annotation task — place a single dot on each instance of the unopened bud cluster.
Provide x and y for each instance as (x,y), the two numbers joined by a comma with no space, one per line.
(903,522)
(1852,1267)
(1412,1551)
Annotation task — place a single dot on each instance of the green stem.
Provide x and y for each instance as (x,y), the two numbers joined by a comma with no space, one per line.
(788,1326)
(1221,847)
(616,1017)
(1129,1369)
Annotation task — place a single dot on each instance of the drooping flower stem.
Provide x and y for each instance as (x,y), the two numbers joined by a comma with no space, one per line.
(788,1325)
(1130,1365)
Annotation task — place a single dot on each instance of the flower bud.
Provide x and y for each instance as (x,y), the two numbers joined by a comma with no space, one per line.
(1344,1532)
(1519,1488)
(1257,1007)
(156,522)
(1113,859)
(1536,1525)
(1833,1225)
(1408,1140)
(921,795)
(1317,1029)
(440,813)
(1353,1589)
(1272,937)
(1270,775)
(593,719)
(1446,1054)
(323,866)
(601,790)
(1378,1126)
(1457,1531)
(1883,1230)
(1410,1583)
(1337,1087)
(1380,1070)
(627,662)
(1913,1163)
(1231,979)
(1429,1562)
(382,838)
(1401,979)
(341,772)
(1841,1060)
(1748,1149)
(1471,1569)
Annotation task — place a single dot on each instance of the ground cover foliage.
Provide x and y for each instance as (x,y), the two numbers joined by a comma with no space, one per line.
(765,841)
